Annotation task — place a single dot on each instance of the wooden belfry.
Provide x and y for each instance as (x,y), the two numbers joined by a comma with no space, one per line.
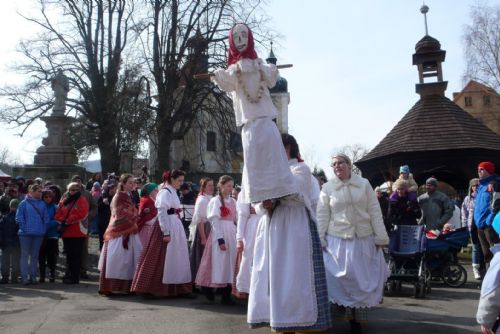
(428,54)
(436,137)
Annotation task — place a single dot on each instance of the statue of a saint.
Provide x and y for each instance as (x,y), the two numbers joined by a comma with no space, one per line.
(60,86)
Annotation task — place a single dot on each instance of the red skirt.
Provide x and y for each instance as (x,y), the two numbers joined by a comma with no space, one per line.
(108,286)
(149,273)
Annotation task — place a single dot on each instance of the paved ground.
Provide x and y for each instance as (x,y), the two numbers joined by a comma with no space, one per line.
(57,308)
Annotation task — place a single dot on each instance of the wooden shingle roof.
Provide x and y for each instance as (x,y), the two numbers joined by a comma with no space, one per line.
(435,123)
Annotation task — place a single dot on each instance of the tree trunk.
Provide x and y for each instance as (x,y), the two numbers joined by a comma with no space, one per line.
(110,154)
(163,161)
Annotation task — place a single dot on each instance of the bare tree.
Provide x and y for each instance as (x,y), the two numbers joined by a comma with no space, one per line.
(188,37)
(86,39)
(482,45)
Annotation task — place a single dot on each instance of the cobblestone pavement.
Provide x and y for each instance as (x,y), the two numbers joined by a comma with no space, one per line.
(58,308)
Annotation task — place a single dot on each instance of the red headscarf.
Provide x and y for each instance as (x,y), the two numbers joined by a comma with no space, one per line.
(234,55)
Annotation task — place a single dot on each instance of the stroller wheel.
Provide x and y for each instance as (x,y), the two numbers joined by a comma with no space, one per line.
(391,287)
(417,290)
(454,275)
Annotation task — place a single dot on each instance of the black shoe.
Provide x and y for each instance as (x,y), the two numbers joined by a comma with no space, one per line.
(209,293)
(188,296)
(69,281)
(355,327)
(227,301)
(4,281)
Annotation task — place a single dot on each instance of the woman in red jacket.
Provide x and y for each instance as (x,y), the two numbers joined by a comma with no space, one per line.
(71,215)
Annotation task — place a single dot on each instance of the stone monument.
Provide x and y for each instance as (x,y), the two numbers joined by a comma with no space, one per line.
(56,159)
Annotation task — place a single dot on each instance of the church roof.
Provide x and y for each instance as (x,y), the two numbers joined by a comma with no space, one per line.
(435,123)
(427,44)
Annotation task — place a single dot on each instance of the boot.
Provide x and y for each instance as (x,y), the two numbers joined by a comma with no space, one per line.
(52,278)
(476,271)
(355,327)
(226,296)
(209,293)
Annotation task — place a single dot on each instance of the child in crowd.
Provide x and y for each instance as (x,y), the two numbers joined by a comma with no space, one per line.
(9,243)
(50,245)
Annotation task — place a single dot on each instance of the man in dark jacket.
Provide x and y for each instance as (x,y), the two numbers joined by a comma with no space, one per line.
(9,243)
(483,211)
(436,207)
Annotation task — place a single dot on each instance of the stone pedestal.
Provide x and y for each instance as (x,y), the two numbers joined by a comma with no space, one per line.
(56,160)
(57,149)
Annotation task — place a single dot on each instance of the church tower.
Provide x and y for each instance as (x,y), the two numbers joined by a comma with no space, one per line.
(280,96)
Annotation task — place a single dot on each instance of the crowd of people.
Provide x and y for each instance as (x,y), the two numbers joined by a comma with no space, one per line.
(145,248)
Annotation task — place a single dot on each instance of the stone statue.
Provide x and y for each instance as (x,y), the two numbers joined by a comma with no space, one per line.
(60,86)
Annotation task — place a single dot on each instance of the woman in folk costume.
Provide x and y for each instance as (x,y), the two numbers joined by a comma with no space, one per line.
(246,230)
(163,269)
(219,258)
(147,212)
(352,233)
(122,246)
(265,173)
(200,226)
(288,287)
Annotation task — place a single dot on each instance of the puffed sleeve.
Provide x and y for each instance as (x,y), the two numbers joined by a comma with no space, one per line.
(271,74)
(323,216)
(200,211)
(226,79)
(243,210)
(213,216)
(377,222)
(162,204)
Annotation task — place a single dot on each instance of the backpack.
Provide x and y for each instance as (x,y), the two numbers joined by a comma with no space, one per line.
(494,190)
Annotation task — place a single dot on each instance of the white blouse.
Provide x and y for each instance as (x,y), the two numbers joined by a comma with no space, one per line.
(167,199)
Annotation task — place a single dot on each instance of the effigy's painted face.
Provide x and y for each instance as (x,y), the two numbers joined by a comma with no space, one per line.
(240,37)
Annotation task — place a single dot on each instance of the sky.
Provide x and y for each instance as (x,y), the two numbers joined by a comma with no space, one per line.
(352,78)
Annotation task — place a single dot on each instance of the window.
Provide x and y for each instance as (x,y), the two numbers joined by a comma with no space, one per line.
(211,141)
(486,100)
(468,101)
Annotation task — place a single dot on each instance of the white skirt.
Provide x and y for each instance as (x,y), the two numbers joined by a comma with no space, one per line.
(282,289)
(243,278)
(356,271)
(177,269)
(223,262)
(120,262)
(266,173)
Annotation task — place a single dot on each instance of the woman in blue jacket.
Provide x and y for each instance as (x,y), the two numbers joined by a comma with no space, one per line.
(33,220)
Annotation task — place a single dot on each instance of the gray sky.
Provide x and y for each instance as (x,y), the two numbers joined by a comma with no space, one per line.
(352,79)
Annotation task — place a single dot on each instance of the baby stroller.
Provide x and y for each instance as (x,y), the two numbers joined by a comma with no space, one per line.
(442,260)
(407,262)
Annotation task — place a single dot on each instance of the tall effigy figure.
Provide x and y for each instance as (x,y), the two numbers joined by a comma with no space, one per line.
(266,174)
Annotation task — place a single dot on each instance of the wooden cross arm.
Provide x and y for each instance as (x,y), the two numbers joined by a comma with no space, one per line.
(206,76)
